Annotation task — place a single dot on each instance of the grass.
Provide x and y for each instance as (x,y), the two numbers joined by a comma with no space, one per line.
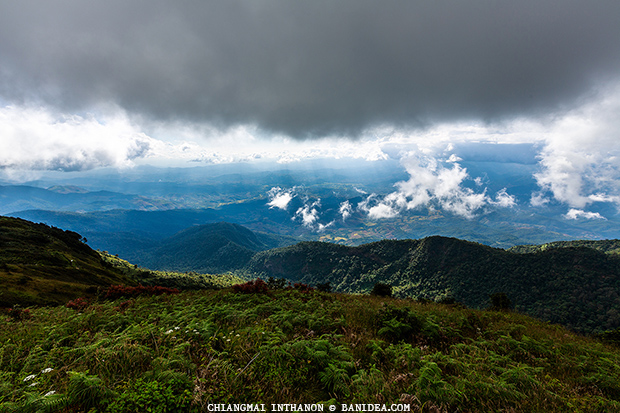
(175,353)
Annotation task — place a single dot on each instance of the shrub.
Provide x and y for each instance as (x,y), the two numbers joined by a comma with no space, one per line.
(118,291)
(79,304)
(304,288)
(87,391)
(154,396)
(276,283)
(250,287)
(324,287)
(398,324)
(18,314)
(382,290)
(500,302)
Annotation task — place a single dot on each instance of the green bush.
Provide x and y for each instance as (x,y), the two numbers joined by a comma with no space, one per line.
(154,396)
(382,290)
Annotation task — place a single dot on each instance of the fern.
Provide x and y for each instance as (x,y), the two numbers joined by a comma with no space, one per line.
(35,403)
(87,391)
(335,379)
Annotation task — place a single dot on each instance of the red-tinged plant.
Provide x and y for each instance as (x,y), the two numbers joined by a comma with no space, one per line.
(254,286)
(118,291)
(304,288)
(18,314)
(79,304)
(124,305)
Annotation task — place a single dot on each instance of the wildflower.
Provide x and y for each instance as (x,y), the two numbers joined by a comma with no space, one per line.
(176,328)
(28,378)
(47,370)
(237,335)
(169,331)
(227,339)
(49,393)
(33,384)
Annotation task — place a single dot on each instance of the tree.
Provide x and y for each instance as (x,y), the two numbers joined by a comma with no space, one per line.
(500,302)
(382,290)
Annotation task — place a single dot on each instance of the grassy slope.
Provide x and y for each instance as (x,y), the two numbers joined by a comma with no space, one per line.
(180,352)
(42,265)
(45,265)
(183,281)
(577,287)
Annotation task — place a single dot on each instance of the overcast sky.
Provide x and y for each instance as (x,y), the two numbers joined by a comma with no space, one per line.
(85,84)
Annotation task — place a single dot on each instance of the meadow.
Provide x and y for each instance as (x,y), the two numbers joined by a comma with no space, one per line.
(170,351)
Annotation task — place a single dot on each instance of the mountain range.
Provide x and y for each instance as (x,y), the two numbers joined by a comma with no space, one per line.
(576,284)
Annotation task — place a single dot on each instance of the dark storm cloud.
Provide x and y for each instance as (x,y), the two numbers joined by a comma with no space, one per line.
(309,68)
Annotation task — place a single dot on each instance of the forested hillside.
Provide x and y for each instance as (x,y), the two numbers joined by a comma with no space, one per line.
(611,246)
(578,287)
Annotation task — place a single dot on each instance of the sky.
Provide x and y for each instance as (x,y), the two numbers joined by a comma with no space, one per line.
(86,85)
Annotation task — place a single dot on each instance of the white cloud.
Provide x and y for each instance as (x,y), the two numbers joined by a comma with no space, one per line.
(378,208)
(538,199)
(345,210)
(453,158)
(504,200)
(381,211)
(279,198)
(431,182)
(578,213)
(581,159)
(36,139)
(309,214)
(322,227)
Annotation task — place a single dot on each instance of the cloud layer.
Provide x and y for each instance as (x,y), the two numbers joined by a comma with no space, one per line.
(435,185)
(35,139)
(308,69)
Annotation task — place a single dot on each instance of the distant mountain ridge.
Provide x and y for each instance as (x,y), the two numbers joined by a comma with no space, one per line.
(609,246)
(210,248)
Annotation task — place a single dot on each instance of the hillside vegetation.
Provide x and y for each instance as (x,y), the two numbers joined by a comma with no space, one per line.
(578,287)
(46,265)
(610,246)
(42,265)
(184,281)
(178,353)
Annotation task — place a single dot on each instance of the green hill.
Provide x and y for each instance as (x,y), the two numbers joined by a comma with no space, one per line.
(578,287)
(610,246)
(210,248)
(196,351)
(46,265)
